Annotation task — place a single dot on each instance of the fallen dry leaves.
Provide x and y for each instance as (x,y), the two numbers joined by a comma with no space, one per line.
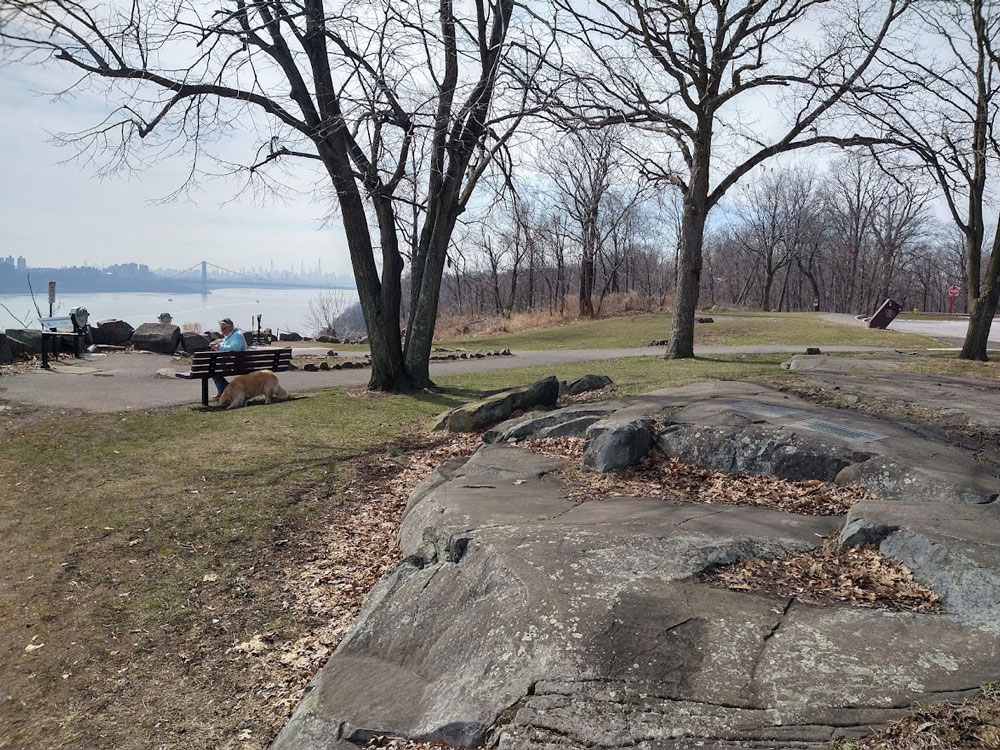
(859,576)
(856,576)
(656,476)
(974,723)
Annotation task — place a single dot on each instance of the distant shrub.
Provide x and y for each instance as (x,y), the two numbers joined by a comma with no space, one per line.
(191,327)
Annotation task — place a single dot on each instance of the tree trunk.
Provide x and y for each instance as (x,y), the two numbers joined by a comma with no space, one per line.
(587,285)
(982,309)
(423,316)
(681,343)
(380,299)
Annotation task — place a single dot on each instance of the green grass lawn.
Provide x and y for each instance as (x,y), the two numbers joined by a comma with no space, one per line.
(191,486)
(729,329)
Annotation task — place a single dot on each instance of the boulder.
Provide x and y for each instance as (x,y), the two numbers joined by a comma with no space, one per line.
(704,320)
(289,336)
(194,342)
(24,342)
(112,331)
(544,392)
(310,367)
(499,406)
(614,444)
(519,619)
(953,550)
(160,338)
(568,422)
(328,339)
(751,449)
(659,342)
(6,352)
(585,383)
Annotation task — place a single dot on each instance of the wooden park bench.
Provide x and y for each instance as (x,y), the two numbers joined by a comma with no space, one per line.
(208,364)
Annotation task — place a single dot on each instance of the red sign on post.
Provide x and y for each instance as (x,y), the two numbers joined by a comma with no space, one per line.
(953,292)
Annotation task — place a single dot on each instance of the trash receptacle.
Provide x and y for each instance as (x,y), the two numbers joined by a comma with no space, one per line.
(885,314)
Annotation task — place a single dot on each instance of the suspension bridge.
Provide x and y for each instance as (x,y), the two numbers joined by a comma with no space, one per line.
(215,275)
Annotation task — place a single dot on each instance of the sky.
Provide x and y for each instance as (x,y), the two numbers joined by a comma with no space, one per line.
(57,214)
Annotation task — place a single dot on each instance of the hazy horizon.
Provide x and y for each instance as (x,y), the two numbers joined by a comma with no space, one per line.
(60,214)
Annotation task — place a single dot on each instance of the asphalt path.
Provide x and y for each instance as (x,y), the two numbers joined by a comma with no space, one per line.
(949,331)
(128,381)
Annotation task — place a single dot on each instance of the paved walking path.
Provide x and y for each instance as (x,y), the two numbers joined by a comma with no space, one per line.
(950,331)
(126,381)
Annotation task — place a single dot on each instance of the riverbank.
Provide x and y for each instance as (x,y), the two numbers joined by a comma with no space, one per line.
(280,309)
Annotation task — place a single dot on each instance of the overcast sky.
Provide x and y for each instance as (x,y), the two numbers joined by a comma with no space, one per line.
(60,214)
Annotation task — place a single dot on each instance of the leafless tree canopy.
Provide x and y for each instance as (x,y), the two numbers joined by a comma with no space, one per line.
(403,105)
(646,117)
(687,69)
(935,101)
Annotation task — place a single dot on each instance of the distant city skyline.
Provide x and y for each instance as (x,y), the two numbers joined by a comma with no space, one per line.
(62,214)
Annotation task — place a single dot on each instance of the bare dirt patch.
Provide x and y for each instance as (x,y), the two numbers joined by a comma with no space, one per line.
(656,476)
(859,576)
(15,416)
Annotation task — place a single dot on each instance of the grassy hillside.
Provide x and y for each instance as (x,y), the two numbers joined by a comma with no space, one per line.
(729,329)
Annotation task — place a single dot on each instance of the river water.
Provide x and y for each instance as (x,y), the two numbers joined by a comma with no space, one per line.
(280,309)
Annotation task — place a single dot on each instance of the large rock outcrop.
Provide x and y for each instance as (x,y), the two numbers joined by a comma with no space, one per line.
(524,620)
(162,338)
(6,352)
(24,342)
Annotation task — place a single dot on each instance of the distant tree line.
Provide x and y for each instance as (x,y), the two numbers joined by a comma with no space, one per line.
(790,239)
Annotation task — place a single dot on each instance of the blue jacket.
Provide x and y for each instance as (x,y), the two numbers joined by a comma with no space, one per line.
(234,342)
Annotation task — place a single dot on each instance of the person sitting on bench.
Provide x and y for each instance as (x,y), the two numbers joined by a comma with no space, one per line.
(232,340)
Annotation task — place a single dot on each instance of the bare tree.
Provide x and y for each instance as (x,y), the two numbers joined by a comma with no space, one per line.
(359,88)
(682,68)
(325,309)
(581,169)
(775,213)
(941,108)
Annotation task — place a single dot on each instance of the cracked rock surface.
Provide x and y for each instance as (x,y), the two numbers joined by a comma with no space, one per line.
(527,622)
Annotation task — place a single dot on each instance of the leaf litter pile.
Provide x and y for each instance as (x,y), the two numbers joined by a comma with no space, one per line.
(974,723)
(861,577)
(656,476)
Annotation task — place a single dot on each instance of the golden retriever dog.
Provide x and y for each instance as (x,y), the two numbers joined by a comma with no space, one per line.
(242,388)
